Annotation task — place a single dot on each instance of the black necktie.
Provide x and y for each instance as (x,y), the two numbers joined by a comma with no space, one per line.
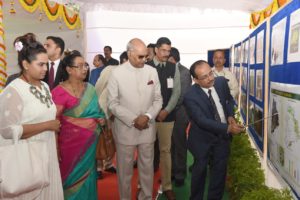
(215,110)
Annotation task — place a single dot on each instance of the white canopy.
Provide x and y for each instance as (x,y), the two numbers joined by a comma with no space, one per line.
(118,5)
(193,25)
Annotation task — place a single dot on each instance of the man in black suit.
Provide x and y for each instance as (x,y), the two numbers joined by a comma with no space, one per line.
(179,146)
(55,47)
(210,108)
(108,58)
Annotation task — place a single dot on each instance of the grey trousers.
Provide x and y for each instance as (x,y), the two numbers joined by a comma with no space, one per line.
(125,158)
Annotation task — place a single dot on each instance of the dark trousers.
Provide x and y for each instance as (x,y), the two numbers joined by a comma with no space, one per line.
(179,144)
(219,153)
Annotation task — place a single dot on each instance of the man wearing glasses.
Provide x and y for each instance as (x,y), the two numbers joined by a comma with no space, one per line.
(210,108)
(134,99)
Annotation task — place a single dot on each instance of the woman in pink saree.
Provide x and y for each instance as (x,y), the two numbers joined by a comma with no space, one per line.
(81,119)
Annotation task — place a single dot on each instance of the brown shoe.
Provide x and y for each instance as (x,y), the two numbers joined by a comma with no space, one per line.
(170,195)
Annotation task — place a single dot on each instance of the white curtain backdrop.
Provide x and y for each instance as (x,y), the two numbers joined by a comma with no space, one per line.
(193,32)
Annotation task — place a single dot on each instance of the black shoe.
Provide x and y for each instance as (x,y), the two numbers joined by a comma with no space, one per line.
(191,168)
(169,194)
(111,170)
(179,182)
(173,178)
(99,175)
(135,164)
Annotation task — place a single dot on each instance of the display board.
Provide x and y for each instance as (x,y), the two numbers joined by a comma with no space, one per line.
(236,60)
(283,125)
(256,71)
(244,78)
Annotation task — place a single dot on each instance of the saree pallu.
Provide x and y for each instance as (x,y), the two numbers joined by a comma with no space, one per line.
(77,141)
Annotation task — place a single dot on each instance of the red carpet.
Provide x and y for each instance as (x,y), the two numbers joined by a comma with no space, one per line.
(108,186)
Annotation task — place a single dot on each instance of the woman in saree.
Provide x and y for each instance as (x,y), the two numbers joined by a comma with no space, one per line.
(81,119)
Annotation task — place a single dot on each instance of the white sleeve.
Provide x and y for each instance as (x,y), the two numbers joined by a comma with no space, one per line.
(114,105)
(11,107)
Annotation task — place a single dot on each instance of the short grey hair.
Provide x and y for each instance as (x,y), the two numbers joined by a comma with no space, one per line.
(130,46)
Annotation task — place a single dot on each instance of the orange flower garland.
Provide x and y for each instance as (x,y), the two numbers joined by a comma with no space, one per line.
(54,11)
(259,16)
(3,74)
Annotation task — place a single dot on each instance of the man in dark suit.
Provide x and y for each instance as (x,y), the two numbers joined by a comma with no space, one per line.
(210,108)
(55,47)
(179,147)
(109,60)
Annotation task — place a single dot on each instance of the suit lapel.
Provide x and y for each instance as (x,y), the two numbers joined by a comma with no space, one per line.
(203,95)
(218,88)
(58,77)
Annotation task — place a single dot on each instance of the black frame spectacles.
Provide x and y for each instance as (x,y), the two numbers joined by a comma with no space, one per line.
(206,76)
(81,67)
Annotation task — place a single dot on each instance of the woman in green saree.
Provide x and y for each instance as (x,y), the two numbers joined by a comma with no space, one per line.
(81,119)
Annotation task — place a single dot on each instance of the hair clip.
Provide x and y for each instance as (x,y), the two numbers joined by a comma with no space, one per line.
(18,46)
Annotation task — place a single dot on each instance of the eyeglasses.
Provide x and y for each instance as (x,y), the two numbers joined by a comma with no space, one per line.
(81,66)
(206,76)
(142,57)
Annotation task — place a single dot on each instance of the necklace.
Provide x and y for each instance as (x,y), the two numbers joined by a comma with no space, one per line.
(43,99)
(77,92)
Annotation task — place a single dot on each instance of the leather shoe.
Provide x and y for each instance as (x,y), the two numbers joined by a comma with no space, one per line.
(191,168)
(179,182)
(170,195)
(99,175)
(111,170)
(135,164)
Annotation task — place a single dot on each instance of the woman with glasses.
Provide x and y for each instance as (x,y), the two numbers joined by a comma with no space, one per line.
(81,119)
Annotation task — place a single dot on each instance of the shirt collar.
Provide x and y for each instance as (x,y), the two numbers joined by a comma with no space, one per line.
(206,89)
(157,63)
(56,62)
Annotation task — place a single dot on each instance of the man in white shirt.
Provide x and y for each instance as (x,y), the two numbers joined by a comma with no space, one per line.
(135,100)
(210,108)
(219,70)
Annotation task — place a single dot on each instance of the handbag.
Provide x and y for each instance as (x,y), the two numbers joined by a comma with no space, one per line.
(24,168)
(106,146)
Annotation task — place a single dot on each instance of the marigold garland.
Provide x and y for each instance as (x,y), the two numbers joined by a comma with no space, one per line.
(258,17)
(53,11)
(3,73)
(30,5)
(72,20)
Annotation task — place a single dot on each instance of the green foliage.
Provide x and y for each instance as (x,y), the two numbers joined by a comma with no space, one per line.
(266,193)
(246,179)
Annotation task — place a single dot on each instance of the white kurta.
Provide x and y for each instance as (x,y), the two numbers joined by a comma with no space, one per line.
(19,106)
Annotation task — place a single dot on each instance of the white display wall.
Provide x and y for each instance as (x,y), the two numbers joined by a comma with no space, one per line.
(193,33)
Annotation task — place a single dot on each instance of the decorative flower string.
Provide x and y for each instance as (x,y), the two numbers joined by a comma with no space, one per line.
(18,46)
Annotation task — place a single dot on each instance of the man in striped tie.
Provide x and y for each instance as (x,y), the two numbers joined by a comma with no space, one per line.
(210,108)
